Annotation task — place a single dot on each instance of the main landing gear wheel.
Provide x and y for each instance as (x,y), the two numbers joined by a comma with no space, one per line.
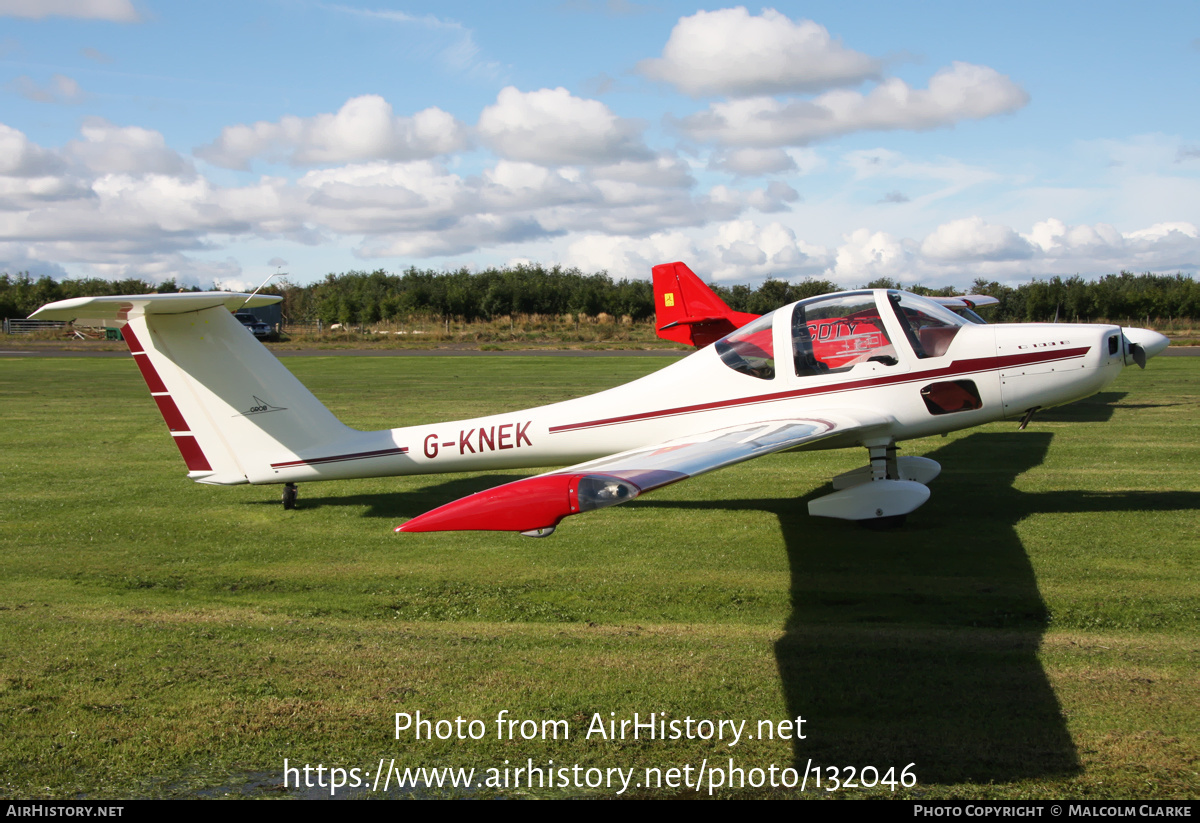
(880,495)
(289,495)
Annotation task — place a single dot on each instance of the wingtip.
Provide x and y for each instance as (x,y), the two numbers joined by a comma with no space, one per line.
(523,505)
(417,524)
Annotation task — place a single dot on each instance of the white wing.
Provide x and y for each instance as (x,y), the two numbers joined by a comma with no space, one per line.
(537,504)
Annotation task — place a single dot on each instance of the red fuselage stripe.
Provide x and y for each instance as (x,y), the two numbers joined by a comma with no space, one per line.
(312,461)
(963,367)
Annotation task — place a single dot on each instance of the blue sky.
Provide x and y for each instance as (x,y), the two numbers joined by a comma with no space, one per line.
(934,143)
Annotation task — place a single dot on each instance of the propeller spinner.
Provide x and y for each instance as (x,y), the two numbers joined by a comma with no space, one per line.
(1142,344)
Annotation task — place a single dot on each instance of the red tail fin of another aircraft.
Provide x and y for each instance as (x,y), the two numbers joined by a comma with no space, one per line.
(688,311)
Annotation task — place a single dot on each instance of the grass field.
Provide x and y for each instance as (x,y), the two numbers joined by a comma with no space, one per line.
(1032,632)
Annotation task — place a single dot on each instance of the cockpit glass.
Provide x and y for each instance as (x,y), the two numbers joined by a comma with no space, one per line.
(750,349)
(834,334)
(969,315)
(929,327)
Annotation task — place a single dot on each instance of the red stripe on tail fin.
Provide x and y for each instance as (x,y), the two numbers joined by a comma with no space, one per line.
(193,455)
(189,447)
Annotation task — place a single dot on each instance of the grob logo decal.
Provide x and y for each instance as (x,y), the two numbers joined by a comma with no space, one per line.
(260,407)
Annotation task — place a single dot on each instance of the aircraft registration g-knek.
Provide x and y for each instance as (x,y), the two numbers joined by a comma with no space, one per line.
(867,368)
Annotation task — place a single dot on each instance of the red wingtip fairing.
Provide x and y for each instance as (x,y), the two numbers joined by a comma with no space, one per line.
(538,502)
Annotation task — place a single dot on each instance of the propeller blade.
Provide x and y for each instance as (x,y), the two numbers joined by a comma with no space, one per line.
(1138,354)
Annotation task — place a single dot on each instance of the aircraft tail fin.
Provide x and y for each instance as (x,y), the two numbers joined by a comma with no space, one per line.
(688,311)
(235,412)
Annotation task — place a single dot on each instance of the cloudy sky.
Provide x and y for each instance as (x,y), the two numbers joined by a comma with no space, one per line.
(218,142)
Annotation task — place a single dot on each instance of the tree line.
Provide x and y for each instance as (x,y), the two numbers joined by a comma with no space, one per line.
(1120,296)
(362,298)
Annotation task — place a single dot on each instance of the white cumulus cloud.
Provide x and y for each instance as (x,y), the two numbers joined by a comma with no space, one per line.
(1163,231)
(553,127)
(959,92)
(752,162)
(866,255)
(737,251)
(973,239)
(1053,237)
(20,157)
(665,170)
(1159,246)
(106,149)
(732,53)
(365,128)
(627,256)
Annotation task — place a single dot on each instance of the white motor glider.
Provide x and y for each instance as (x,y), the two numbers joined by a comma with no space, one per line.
(862,368)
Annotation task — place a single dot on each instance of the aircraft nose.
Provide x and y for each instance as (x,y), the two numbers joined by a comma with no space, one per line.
(1144,344)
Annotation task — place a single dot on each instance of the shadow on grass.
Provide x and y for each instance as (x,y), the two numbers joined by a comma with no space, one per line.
(919,645)
(1098,408)
(398,505)
(934,661)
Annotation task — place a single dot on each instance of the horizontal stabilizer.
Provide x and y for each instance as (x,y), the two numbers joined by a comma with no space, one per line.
(966,301)
(123,306)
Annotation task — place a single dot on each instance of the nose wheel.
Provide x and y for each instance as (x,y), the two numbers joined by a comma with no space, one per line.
(289,495)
